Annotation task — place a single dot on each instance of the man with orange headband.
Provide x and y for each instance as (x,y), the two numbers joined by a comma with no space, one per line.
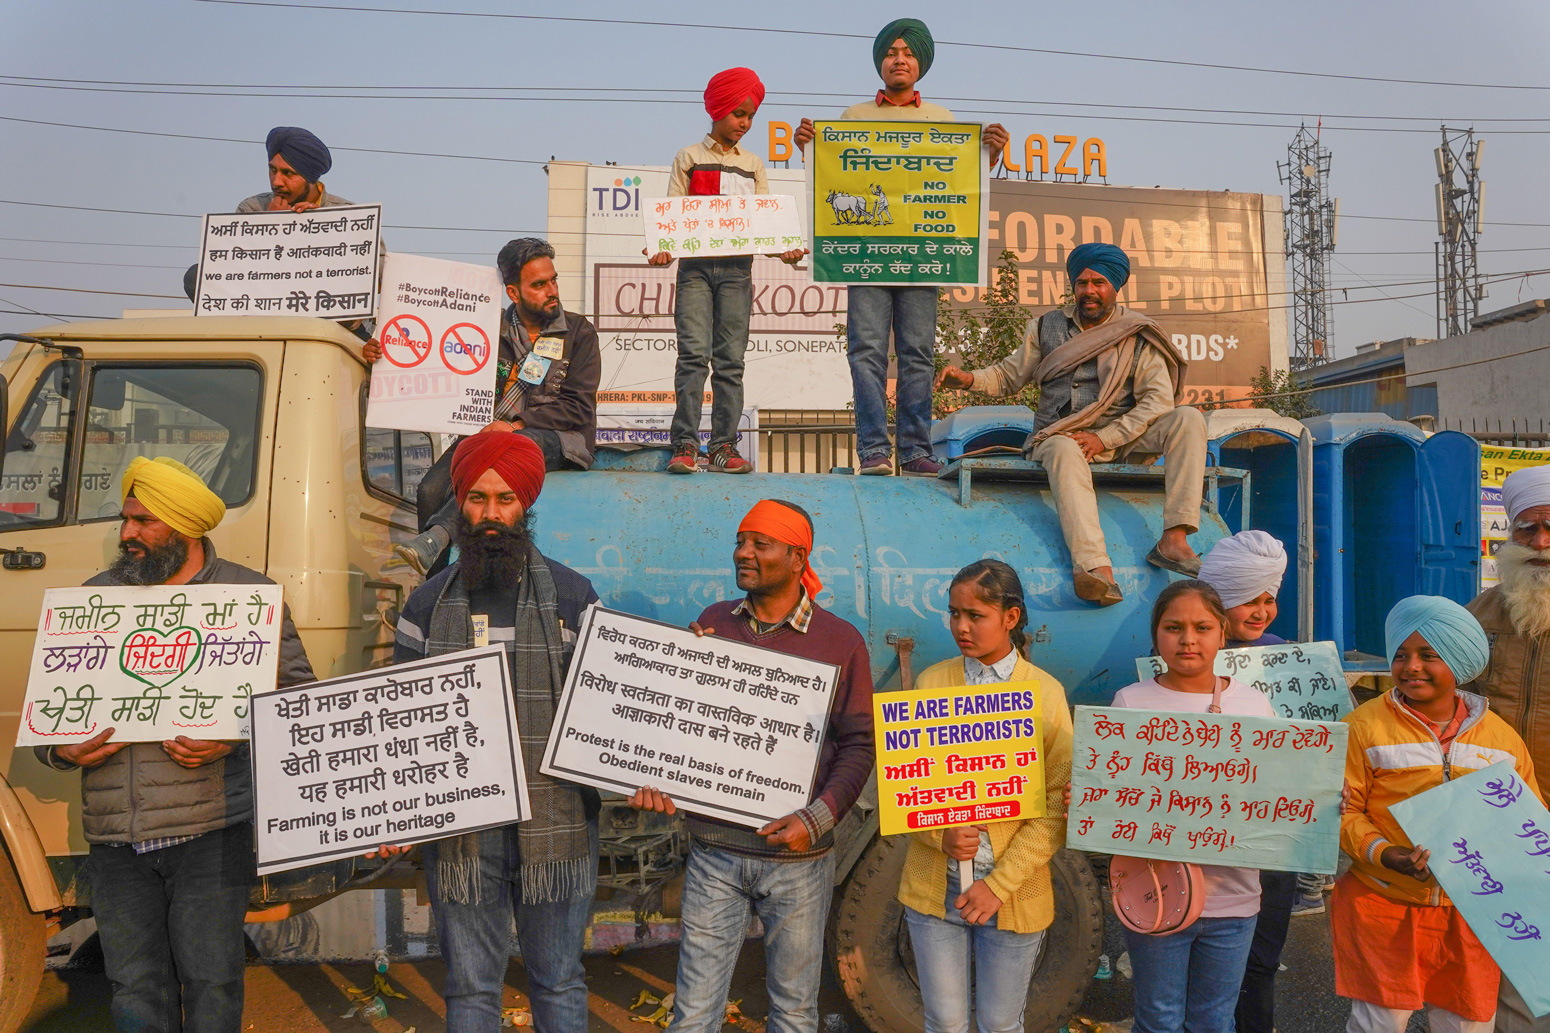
(784,871)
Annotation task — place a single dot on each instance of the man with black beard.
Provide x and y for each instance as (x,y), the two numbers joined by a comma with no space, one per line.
(171,823)
(543,871)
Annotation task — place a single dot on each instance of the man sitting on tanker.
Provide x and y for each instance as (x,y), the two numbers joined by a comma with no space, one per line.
(1109,384)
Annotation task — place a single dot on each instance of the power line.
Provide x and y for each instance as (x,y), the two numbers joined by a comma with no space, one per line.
(88,290)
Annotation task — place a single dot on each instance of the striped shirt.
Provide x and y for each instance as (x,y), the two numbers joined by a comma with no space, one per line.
(706,169)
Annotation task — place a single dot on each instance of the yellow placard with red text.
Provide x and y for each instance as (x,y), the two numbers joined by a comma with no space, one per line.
(964,755)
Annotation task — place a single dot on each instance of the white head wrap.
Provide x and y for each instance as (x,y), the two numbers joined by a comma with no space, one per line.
(1244,567)
(1525,489)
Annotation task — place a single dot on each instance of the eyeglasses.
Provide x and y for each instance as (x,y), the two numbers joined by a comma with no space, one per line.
(1525,528)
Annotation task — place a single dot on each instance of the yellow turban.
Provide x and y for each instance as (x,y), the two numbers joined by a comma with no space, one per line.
(174,494)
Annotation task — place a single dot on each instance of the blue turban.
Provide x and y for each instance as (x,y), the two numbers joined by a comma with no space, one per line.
(912,31)
(1448,628)
(1105,259)
(305,152)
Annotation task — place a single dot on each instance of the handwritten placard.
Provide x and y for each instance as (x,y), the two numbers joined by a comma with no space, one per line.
(724,728)
(1489,837)
(959,756)
(152,663)
(398,755)
(1247,792)
(734,224)
(1302,680)
(321,262)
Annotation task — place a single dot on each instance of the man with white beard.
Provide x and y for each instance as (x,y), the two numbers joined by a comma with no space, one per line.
(1516,617)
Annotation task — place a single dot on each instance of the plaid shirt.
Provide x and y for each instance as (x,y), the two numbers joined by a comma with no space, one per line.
(148,845)
(799,618)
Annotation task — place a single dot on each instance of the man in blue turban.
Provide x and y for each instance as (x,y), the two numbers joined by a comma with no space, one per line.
(298,161)
(1109,388)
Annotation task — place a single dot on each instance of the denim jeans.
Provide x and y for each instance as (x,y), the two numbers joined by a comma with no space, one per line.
(1257,997)
(170,923)
(1189,981)
(791,899)
(712,310)
(476,946)
(1003,965)
(911,313)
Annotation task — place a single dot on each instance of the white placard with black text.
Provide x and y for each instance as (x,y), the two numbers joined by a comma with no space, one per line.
(321,262)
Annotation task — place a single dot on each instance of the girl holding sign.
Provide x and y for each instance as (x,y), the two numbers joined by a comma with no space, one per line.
(1001,917)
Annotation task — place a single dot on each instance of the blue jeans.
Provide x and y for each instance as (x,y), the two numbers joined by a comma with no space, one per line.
(1189,981)
(712,310)
(170,922)
(911,313)
(1257,997)
(791,899)
(1003,966)
(476,945)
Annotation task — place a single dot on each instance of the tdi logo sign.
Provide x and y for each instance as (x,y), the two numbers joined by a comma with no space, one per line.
(623,196)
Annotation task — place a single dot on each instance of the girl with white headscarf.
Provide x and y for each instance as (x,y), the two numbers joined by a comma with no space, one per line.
(1246,570)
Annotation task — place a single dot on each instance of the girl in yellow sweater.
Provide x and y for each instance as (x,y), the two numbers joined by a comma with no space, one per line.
(1002,917)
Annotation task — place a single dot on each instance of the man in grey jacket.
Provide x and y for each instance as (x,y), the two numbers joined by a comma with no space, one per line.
(170,823)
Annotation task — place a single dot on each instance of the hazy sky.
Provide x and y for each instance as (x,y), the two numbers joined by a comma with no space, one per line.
(632,68)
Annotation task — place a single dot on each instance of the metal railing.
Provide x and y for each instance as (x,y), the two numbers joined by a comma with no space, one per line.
(806,440)
(1523,433)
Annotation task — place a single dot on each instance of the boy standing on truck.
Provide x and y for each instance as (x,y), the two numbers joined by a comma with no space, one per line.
(171,824)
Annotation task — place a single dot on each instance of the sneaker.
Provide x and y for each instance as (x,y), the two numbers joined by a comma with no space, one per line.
(685,459)
(925,466)
(725,459)
(421,551)
(1308,906)
(877,466)
(1329,884)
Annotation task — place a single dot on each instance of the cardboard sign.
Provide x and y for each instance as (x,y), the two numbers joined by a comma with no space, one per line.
(1227,789)
(967,755)
(321,262)
(397,755)
(151,663)
(735,224)
(1302,680)
(724,728)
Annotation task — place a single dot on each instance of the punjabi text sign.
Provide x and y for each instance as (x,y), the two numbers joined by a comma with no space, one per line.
(321,262)
(439,326)
(724,728)
(734,224)
(1489,838)
(399,755)
(1303,681)
(1246,792)
(899,203)
(967,755)
(151,663)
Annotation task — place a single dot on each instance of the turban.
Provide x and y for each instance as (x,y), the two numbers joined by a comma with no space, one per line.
(1448,628)
(305,152)
(912,31)
(784,524)
(1105,259)
(1244,567)
(518,461)
(174,494)
(1525,489)
(515,256)
(730,88)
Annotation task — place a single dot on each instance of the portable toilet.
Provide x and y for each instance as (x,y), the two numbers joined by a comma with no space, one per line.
(1396,513)
(981,430)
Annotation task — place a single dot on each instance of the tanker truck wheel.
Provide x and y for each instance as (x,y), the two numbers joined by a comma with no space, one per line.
(869,943)
(23,941)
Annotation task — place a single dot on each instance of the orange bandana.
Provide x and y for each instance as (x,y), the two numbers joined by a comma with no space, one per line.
(784,525)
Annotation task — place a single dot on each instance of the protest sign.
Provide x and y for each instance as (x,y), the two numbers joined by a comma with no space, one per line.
(645,424)
(1497,463)
(959,756)
(398,755)
(151,663)
(1227,789)
(711,227)
(1302,680)
(724,728)
(899,203)
(321,262)
(439,325)
(1489,838)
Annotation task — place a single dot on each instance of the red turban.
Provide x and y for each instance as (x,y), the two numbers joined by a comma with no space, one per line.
(730,88)
(784,524)
(518,461)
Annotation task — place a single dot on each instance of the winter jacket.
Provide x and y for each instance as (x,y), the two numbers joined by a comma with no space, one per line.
(1518,680)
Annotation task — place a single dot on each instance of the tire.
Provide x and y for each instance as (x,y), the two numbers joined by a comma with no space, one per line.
(23,942)
(869,944)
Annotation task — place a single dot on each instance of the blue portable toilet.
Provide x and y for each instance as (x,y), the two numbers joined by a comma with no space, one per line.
(1396,513)
(999,428)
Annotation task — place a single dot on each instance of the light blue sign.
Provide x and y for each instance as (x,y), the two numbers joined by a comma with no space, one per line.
(1303,680)
(1490,842)
(1247,792)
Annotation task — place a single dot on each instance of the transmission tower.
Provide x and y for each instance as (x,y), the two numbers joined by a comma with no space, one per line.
(1460,192)
(1310,238)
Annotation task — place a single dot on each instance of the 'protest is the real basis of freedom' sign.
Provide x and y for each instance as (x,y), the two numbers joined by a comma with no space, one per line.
(152,663)
(317,263)
(1247,792)
(1489,838)
(960,756)
(398,755)
(722,727)
(1302,680)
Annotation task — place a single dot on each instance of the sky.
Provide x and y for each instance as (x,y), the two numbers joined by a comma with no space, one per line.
(600,90)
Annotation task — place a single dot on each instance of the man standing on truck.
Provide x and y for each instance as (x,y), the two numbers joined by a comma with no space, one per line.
(543,871)
(1109,387)
(171,824)
(298,161)
(784,871)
